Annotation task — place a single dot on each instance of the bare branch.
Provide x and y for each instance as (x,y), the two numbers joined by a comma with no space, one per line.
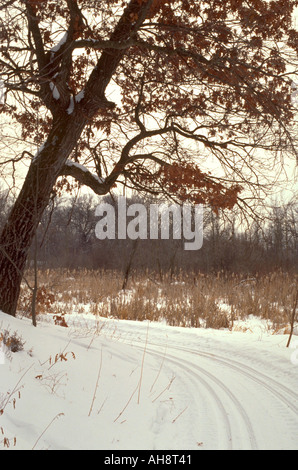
(85,177)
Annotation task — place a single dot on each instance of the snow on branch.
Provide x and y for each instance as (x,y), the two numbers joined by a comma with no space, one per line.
(60,43)
(85,177)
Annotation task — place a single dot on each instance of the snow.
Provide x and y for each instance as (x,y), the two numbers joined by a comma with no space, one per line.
(98,179)
(60,43)
(77,165)
(55,92)
(80,96)
(119,385)
(38,152)
(70,108)
(77,99)
(85,170)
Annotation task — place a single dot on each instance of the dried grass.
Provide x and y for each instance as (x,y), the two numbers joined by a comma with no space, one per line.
(187,299)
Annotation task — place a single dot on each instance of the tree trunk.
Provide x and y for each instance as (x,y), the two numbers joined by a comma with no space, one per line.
(21,226)
(19,231)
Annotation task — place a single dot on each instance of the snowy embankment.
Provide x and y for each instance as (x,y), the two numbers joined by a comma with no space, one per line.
(121,385)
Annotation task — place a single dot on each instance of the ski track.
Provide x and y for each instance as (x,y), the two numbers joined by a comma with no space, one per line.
(227,385)
(209,390)
(224,421)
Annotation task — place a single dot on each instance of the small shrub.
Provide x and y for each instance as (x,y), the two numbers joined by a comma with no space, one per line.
(60,320)
(12,341)
(44,301)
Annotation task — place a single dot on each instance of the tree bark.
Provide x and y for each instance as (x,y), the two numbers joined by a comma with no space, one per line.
(20,228)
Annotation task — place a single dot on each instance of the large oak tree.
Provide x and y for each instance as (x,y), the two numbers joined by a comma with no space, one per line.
(143,93)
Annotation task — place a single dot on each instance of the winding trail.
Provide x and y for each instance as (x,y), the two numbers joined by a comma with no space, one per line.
(239,395)
(142,385)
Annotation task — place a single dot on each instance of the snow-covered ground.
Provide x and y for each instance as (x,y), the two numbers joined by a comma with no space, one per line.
(121,385)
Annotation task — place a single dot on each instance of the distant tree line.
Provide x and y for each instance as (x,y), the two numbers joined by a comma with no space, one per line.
(66,239)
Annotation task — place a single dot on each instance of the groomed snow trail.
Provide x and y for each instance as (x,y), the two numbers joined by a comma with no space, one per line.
(238,392)
(125,385)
